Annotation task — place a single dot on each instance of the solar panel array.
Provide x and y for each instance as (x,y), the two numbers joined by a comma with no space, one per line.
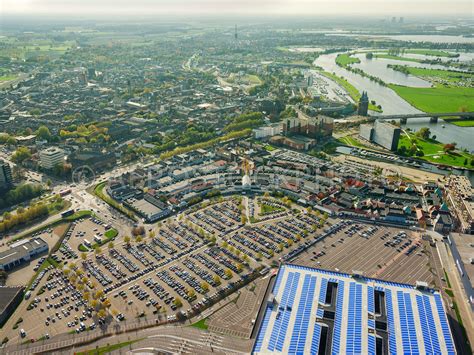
(295,323)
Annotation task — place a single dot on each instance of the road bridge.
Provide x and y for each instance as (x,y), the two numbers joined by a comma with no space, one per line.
(432,116)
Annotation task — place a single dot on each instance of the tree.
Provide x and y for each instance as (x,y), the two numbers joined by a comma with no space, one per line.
(449,147)
(177,302)
(110,245)
(191,293)
(228,273)
(205,286)
(424,133)
(21,154)
(43,133)
(217,280)
(239,267)
(126,239)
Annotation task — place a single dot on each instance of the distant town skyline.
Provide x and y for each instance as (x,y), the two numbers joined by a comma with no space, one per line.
(240,7)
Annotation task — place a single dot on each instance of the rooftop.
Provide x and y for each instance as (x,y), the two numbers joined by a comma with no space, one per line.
(7,294)
(316,310)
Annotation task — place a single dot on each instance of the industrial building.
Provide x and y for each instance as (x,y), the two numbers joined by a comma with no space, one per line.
(22,252)
(382,133)
(319,311)
(51,157)
(10,298)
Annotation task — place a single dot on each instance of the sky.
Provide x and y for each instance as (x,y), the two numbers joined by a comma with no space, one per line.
(241,7)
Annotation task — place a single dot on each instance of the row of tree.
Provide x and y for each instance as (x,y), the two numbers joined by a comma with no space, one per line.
(22,216)
(20,194)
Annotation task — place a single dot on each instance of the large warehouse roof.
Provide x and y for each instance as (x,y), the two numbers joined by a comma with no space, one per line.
(313,309)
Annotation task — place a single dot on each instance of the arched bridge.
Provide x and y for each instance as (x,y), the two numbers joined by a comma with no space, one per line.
(433,116)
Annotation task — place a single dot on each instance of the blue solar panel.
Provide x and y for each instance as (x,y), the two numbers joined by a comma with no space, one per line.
(444,324)
(392,344)
(431,323)
(350,319)
(428,327)
(278,320)
(287,313)
(411,323)
(371,323)
(371,345)
(323,290)
(320,313)
(316,338)
(370,299)
(336,342)
(300,324)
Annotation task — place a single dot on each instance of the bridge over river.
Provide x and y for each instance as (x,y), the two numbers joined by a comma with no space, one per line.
(432,116)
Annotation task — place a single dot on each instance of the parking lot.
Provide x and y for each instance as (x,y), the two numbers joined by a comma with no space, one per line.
(182,264)
(188,261)
(377,251)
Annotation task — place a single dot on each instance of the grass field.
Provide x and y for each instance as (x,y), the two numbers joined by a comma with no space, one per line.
(7,77)
(430,52)
(269,148)
(437,99)
(433,151)
(351,141)
(460,122)
(394,57)
(452,77)
(345,59)
(201,324)
(447,95)
(351,90)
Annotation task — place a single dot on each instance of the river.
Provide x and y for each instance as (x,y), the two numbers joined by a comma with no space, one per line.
(392,103)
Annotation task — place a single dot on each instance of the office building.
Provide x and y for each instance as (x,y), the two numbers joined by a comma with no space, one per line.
(6,179)
(312,127)
(51,157)
(317,311)
(382,133)
(267,131)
